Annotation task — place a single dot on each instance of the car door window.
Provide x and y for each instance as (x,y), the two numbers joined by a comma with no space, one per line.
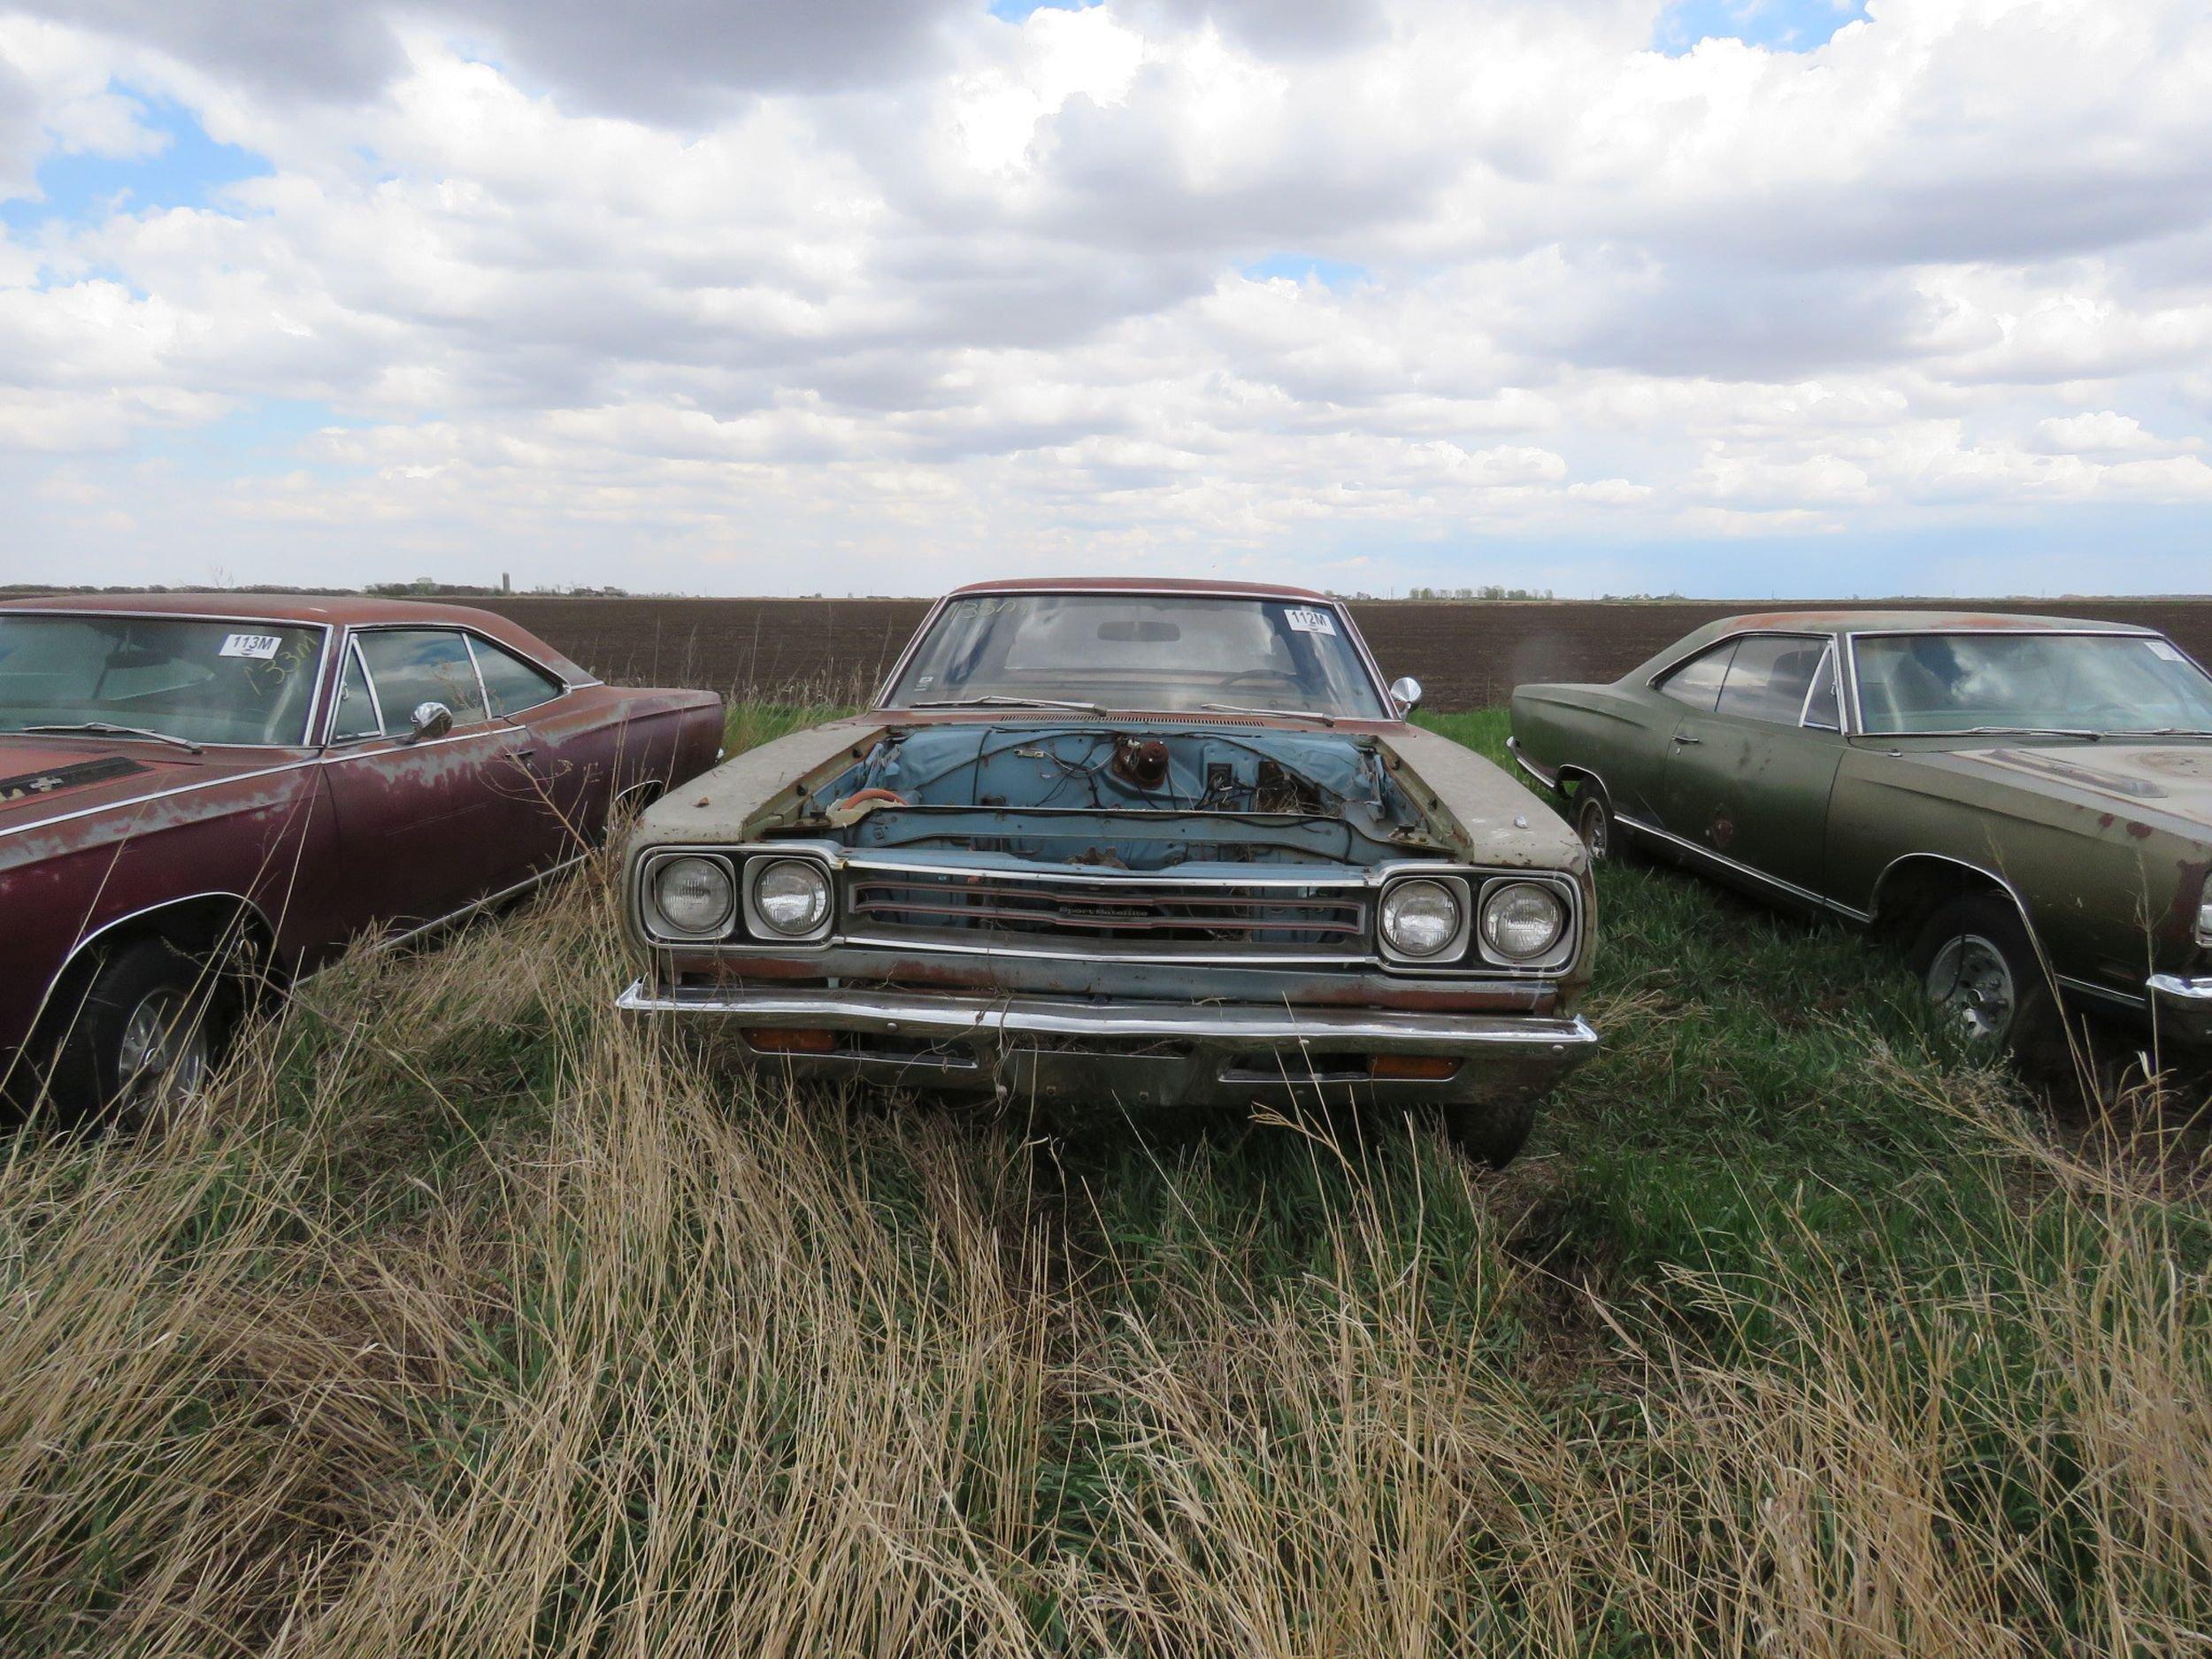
(1698,683)
(412,666)
(1768,678)
(512,684)
(1823,711)
(357,714)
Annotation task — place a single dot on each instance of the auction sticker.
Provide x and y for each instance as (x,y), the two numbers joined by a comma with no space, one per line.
(1307,620)
(260,646)
(2164,652)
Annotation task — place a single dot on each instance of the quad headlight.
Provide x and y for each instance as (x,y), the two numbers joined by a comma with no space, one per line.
(693,896)
(788,898)
(1422,920)
(1522,921)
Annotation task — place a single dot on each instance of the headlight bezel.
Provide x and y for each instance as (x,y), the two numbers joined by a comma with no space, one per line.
(1557,953)
(2204,918)
(758,927)
(665,927)
(1455,886)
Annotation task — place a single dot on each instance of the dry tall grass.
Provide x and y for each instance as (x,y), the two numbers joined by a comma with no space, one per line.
(470,1321)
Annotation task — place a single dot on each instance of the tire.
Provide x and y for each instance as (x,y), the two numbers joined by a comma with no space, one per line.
(146,1037)
(1978,965)
(1593,823)
(1492,1130)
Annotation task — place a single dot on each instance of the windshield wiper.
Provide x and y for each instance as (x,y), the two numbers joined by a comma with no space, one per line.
(2020,731)
(1274,714)
(102,728)
(2162,731)
(998,700)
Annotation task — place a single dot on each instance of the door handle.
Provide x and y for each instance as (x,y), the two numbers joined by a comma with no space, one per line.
(1681,739)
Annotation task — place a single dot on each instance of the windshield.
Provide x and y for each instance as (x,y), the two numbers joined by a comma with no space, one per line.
(2073,682)
(1170,652)
(205,682)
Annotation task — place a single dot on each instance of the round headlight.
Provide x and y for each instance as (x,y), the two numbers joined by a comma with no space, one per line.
(1522,921)
(1419,917)
(791,896)
(693,895)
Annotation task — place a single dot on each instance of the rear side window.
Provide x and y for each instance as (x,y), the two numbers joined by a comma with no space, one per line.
(1769,677)
(512,684)
(1698,681)
(412,666)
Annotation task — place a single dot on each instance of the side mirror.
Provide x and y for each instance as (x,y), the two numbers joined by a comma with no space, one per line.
(429,720)
(1406,692)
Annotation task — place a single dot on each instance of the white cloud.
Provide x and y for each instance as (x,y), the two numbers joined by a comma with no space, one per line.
(917,291)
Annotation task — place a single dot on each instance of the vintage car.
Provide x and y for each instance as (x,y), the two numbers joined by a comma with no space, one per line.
(1162,843)
(2023,804)
(201,794)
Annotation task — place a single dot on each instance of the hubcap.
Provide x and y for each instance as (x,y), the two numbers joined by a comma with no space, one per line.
(1970,980)
(1594,827)
(161,1060)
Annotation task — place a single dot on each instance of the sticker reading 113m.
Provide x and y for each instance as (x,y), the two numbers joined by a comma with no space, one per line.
(260,646)
(1307,620)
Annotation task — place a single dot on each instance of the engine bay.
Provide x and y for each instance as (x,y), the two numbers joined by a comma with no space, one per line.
(1154,797)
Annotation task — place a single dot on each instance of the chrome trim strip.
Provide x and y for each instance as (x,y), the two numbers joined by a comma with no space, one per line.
(2106,992)
(163,795)
(2010,891)
(107,927)
(1736,865)
(476,666)
(317,715)
(1513,748)
(931,1013)
(513,890)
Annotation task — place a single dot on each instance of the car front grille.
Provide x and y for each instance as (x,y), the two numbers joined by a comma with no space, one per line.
(1120,916)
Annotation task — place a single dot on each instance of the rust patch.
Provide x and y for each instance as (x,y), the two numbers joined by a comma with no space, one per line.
(1723,832)
(2141,832)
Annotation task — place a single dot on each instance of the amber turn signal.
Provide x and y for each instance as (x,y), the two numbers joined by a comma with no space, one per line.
(1412,1068)
(786,1040)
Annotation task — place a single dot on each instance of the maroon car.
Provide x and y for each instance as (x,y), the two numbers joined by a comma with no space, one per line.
(202,792)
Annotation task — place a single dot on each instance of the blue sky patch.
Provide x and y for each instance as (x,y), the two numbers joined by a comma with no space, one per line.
(1330,273)
(1016,11)
(187,171)
(1788,26)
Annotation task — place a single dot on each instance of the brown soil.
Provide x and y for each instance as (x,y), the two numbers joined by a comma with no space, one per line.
(1466,656)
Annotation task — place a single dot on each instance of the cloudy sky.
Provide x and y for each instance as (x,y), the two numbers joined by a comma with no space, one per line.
(1724,297)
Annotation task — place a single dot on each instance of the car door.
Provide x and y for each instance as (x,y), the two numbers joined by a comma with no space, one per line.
(563,746)
(1749,779)
(1640,773)
(426,826)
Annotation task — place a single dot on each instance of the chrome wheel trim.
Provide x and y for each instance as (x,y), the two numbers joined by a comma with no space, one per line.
(1971,980)
(162,1059)
(1594,825)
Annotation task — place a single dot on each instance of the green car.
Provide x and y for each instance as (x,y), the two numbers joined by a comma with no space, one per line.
(2023,804)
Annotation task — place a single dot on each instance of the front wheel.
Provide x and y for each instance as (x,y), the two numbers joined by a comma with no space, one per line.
(1980,968)
(145,1039)
(1493,1131)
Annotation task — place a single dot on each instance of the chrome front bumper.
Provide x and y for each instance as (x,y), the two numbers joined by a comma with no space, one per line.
(2181,1006)
(1137,1053)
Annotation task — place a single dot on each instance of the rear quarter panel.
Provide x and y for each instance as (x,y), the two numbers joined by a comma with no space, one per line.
(2111,900)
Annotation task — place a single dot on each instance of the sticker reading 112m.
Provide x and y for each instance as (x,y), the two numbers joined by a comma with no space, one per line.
(260,646)
(1307,620)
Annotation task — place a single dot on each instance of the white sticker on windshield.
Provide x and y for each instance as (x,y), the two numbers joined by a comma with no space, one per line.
(1310,621)
(260,646)
(2164,652)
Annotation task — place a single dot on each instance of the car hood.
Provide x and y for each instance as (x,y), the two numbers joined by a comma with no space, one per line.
(2131,778)
(40,776)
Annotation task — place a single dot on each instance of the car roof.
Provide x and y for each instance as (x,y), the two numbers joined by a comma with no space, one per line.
(334,609)
(1142,585)
(1875,621)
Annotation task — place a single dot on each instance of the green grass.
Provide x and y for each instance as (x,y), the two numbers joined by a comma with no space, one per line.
(474,1322)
